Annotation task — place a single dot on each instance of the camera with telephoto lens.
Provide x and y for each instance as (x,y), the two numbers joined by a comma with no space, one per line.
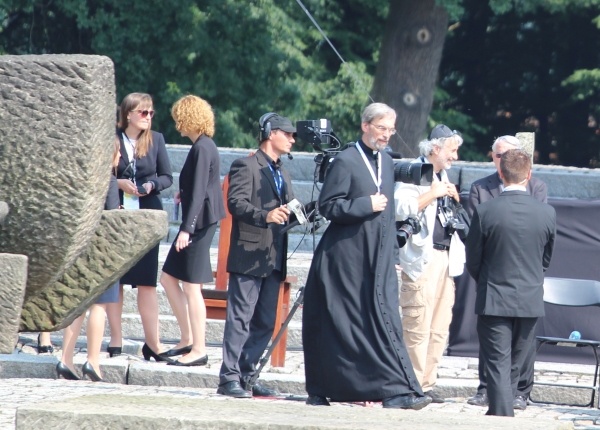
(406,228)
(452,222)
(413,173)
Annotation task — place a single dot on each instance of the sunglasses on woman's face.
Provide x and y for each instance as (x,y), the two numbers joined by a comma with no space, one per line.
(145,113)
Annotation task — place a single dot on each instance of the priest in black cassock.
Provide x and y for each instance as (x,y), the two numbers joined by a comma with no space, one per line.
(351,328)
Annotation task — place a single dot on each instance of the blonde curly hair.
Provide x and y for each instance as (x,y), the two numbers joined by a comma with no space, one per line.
(193,114)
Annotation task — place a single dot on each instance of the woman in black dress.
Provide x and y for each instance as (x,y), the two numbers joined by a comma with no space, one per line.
(202,207)
(144,166)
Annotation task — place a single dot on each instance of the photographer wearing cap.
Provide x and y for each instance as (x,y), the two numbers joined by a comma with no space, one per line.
(431,258)
(259,188)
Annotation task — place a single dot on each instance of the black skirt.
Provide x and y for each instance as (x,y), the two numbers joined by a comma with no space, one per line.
(192,263)
(145,271)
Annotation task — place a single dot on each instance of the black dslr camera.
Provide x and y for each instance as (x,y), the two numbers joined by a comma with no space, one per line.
(406,228)
(450,209)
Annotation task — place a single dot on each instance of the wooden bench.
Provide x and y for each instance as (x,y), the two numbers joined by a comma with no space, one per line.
(216,299)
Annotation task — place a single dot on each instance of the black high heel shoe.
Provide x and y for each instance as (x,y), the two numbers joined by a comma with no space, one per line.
(44,349)
(147,353)
(65,372)
(113,351)
(89,371)
(177,351)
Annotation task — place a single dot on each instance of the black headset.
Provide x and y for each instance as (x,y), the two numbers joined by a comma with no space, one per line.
(265,126)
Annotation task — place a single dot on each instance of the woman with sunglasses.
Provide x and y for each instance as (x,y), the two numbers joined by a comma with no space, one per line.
(143,172)
(202,206)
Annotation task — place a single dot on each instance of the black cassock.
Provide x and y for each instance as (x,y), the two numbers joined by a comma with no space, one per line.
(351,327)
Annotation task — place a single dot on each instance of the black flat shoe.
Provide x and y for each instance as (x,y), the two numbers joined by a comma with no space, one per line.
(65,372)
(147,353)
(177,351)
(406,401)
(89,371)
(113,351)
(199,362)
(317,401)
(44,349)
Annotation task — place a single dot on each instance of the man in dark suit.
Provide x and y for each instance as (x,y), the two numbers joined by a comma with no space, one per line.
(509,247)
(483,190)
(259,188)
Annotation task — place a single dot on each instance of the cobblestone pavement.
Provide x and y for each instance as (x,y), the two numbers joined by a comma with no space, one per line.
(29,391)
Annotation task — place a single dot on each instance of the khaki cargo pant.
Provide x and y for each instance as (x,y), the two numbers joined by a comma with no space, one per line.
(426,315)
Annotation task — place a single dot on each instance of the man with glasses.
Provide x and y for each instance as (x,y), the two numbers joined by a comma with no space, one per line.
(430,259)
(259,189)
(351,328)
(482,190)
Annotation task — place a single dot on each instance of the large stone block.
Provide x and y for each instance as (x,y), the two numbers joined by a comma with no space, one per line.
(57,125)
(13,278)
(121,239)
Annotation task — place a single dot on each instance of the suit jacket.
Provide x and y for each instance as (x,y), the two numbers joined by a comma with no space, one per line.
(488,188)
(154,166)
(200,186)
(255,245)
(509,247)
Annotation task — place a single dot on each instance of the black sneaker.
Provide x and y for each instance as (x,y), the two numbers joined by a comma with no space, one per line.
(435,397)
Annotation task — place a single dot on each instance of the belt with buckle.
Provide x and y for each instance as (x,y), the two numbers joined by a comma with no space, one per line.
(440,247)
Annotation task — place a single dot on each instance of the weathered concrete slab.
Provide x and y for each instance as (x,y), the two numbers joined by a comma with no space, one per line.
(57,127)
(214,412)
(13,279)
(121,239)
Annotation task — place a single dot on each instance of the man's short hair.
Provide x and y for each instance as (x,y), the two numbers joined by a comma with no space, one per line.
(376,110)
(511,140)
(515,165)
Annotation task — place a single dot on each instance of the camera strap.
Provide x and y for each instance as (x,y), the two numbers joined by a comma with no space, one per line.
(376,180)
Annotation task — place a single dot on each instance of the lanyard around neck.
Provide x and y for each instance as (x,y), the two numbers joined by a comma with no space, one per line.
(132,160)
(376,180)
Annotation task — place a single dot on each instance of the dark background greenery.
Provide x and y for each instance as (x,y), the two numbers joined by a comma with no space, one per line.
(504,68)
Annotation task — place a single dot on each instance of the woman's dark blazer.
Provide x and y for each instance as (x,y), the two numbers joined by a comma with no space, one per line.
(200,186)
(154,167)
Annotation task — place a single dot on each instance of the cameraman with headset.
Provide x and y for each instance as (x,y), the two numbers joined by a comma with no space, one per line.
(259,189)
(431,257)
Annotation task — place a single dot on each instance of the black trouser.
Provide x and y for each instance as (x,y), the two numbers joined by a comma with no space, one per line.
(525,384)
(251,312)
(505,343)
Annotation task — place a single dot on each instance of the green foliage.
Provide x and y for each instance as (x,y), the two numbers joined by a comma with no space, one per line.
(508,65)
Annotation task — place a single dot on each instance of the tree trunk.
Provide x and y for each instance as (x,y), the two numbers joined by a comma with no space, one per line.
(409,60)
